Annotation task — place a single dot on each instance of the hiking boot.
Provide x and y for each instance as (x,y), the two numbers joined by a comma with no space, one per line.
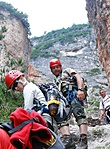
(68,142)
(82,143)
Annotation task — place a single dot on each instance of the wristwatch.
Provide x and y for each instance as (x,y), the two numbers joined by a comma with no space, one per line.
(81,89)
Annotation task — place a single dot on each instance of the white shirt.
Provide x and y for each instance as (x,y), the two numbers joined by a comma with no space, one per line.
(105,102)
(30,92)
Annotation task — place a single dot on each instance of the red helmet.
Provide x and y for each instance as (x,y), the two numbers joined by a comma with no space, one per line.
(54,62)
(11,77)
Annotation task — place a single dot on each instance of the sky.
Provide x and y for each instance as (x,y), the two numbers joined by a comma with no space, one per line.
(48,15)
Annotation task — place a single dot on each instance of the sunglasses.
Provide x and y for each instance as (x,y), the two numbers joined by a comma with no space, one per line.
(15,84)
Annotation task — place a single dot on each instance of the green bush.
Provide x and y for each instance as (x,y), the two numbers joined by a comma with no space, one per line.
(9,101)
(98,132)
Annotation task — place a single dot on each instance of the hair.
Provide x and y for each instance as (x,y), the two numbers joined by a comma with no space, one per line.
(101,90)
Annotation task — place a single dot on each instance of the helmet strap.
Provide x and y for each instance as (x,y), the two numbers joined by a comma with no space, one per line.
(22,83)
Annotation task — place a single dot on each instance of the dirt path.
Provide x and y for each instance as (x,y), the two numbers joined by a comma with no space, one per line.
(98,136)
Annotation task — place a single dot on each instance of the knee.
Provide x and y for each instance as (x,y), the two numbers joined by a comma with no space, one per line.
(64,123)
(82,121)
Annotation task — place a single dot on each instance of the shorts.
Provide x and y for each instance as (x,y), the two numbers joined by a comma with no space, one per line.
(61,120)
(78,110)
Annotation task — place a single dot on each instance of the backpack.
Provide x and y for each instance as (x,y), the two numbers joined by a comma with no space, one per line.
(49,86)
(31,124)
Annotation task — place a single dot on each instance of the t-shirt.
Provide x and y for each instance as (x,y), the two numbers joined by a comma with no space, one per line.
(30,92)
(105,102)
(64,75)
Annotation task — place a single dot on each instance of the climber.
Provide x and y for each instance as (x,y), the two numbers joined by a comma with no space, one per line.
(104,106)
(57,108)
(16,80)
(72,87)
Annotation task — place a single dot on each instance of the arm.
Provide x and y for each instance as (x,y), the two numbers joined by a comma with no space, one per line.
(102,113)
(30,92)
(80,83)
(101,108)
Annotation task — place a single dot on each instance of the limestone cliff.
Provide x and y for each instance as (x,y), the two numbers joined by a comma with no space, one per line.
(15,46)
(98,12)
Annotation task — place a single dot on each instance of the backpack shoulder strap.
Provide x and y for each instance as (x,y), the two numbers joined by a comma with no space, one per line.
(22,125)
(6,126)
(65,71)
(43,89)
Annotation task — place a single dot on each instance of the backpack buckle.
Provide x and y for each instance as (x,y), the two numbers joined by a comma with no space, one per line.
(35,120)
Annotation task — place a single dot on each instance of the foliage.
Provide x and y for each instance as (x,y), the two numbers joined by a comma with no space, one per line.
(94,71)
(98,132)
(9,100)
(62,36)
(94,102)
(36,53)
(1,36)
(3,29)
(102,147)
(16,14)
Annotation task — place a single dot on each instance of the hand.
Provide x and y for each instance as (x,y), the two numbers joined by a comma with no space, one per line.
(102,116)
(80,95)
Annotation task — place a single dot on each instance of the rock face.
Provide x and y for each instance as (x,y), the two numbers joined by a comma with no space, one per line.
(33,75)
(15,47)
(99,18)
